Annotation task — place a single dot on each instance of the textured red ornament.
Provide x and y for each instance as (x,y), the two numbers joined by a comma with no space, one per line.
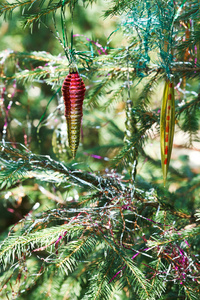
(73,90)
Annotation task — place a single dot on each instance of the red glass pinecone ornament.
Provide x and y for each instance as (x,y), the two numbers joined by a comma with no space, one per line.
(73,90)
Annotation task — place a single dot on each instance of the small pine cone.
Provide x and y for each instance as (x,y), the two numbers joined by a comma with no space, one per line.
(73,90)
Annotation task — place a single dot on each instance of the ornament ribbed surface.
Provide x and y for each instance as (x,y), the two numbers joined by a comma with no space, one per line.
(73,90)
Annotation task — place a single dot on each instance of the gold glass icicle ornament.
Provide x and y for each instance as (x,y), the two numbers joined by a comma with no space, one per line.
(167,124)
(73,90)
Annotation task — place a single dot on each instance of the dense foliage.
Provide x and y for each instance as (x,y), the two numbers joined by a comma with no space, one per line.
(100,225)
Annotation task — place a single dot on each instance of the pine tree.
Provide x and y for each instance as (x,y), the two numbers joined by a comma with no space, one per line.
(109,223)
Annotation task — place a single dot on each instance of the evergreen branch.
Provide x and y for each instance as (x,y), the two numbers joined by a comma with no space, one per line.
(157,163)
(30,18)
(119,7)
(17,244)
(154,69)
(99,287)
(130,148)
(190,12)
(190,294)
(188,115)
(164,205)
(176,236)
(26,5)
(148,89)
(27,165)
(21,165)
(139,281)
(55,67)
(33,75)
(51,75)
(157,283)
(115,97)
(98,90)
(51,67)
(37,56)
(9,7)
(6,7)
(102,282)
(75,251)
(189,106)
